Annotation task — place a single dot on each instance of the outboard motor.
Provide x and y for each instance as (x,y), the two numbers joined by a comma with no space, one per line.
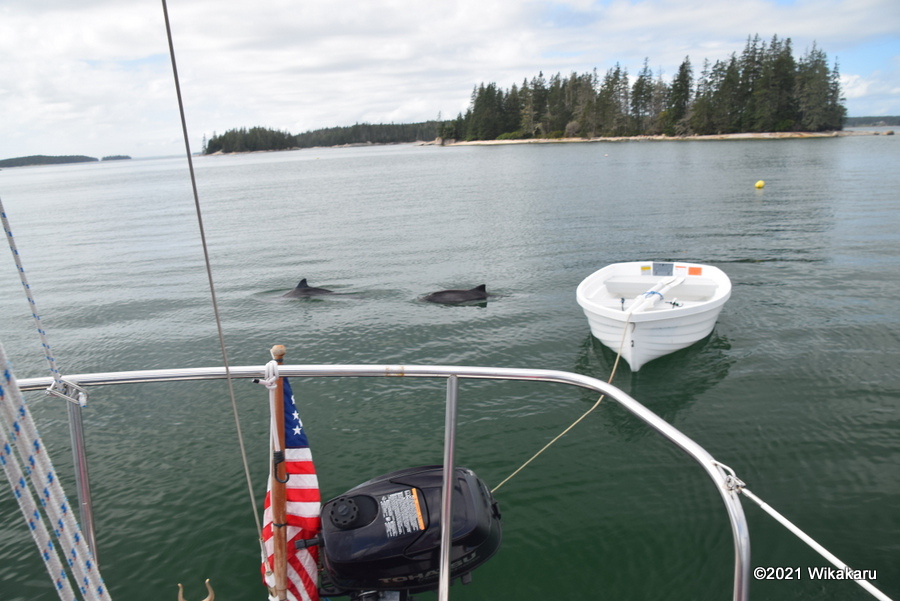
(381,539)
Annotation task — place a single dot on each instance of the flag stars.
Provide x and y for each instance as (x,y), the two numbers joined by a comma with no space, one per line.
(298,425)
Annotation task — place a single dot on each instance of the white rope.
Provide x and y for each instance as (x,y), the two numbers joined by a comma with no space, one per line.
(19,430)
(271,379)
(48,354)
(271,382)
(33,518)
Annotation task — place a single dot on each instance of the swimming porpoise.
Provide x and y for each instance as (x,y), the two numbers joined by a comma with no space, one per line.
(304,289)
(458,296)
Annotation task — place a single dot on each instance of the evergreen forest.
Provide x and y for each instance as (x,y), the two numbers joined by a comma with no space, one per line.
(260,138)
(762,89)
(871,121)
(40,159)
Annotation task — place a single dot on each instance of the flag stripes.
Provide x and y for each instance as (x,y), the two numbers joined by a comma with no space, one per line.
(303,510)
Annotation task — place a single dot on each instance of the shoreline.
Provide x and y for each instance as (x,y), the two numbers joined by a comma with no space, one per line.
(741,136)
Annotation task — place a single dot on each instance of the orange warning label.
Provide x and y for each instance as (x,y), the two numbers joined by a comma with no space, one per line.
(402,513)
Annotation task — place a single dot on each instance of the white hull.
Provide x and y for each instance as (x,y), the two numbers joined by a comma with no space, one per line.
(649,309)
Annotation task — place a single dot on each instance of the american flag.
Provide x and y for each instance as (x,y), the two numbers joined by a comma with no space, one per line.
(303,508)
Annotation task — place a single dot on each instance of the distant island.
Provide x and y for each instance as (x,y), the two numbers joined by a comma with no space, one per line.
(40,159)
(258,139)
(872,121)
(764,89)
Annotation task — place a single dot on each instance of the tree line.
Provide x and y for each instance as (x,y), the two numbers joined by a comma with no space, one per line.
(260,138)
(40,159)
(763,89)
(871,121)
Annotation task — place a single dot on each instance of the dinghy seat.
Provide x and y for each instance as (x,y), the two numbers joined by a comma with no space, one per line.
(695,289)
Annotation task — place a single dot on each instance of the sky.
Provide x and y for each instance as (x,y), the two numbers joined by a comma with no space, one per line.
(94,77)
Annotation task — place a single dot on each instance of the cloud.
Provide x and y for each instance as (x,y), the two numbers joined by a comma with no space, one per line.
(93,77)
(873,94)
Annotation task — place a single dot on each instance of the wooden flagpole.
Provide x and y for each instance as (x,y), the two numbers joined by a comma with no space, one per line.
(279,479)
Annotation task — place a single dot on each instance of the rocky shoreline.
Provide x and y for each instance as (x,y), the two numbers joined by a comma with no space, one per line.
(742,136)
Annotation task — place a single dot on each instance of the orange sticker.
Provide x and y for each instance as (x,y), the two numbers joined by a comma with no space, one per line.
(418,509)
(402,513)
(695,271)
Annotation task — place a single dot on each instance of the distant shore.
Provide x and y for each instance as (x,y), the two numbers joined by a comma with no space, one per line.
(741,136)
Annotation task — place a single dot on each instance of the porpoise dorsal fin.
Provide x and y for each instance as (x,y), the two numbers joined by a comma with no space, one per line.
(303,284)
(481,288)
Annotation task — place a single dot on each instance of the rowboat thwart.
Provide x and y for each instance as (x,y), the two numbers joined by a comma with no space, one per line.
(647,309)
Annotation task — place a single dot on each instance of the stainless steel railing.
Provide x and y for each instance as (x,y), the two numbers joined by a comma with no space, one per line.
(721,478)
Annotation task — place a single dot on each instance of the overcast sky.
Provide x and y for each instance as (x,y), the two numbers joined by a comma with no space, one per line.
(93,76)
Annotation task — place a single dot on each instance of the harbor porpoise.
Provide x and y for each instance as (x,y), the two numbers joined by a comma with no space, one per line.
(458,296)
(304,289)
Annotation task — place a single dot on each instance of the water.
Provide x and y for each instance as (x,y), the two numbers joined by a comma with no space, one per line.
(797,389)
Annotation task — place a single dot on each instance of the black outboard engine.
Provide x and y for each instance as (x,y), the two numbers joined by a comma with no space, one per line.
(385,534)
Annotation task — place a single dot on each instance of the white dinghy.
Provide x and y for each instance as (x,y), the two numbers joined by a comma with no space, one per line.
(647,309)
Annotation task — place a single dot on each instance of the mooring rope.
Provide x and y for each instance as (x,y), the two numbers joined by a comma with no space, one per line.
(577,421)
(209,274)
(20,433)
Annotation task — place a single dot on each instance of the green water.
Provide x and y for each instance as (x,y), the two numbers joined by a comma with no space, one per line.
(797,389)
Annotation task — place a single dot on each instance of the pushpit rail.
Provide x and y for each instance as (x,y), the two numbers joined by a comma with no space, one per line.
(722,477)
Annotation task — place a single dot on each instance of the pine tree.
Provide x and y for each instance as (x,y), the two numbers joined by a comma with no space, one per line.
(527,117)
(750,70)
(679,100)
(837,111)
(813,90)
(642,99)
(701,114)
(727,102)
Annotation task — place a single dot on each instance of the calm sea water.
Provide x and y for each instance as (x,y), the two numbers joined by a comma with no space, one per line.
(797,388)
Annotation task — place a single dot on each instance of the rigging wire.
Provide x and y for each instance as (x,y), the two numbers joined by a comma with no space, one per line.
(848,572)
(209,274)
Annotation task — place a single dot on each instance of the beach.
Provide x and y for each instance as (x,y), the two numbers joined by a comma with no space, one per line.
(740,136)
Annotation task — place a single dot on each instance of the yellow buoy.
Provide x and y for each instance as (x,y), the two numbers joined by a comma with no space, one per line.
(760,184)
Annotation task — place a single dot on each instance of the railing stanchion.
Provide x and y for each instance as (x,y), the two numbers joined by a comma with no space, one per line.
(447,491)
(82,480)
